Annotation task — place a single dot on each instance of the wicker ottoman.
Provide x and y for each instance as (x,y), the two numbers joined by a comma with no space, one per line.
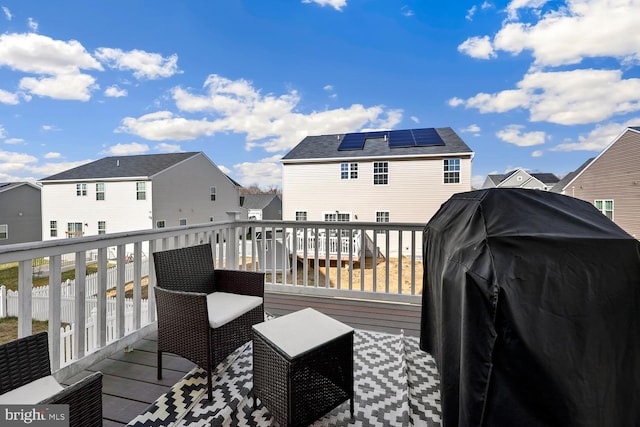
(302,366)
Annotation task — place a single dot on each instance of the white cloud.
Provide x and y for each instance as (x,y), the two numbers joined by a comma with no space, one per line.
(598,139)
(49,128)
(406,11)
(474,128)
(477,181)
(8,98)
(53,168)
(513,134)
(566,97)
(33,53)
(573,31)
(265,174)
(537,153)
(12,162)
(328,88)
(13,141)
(76,87)
(486,5)
(415,119)
(336,4)
(145,65)
(3,133)
(168,148)
(33,25)
(52,155)
(126,149)
(269,121)
(456,102)
(471,12)
(477,47)
(115,92)
(7,13)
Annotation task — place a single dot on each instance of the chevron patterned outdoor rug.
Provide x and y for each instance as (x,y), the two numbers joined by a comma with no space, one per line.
(395,384)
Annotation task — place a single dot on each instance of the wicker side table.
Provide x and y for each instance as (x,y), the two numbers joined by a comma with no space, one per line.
(302,366)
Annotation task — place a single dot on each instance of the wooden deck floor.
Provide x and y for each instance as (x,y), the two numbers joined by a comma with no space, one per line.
(129,384)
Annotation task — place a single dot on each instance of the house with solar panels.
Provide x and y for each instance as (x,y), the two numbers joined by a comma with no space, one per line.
(382,176)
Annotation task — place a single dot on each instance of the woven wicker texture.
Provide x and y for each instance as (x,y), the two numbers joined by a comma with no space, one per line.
(297,391)
(27,359)
(184,278)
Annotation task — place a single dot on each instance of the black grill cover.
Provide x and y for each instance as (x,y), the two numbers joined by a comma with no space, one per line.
(531,308)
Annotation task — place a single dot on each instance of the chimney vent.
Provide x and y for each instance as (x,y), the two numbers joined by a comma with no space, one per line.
(118,163)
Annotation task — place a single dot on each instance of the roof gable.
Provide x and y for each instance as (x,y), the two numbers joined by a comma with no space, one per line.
(145,166)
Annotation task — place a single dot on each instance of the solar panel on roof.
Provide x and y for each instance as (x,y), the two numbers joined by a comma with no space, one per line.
(427,137)
(352,141)
(401,138)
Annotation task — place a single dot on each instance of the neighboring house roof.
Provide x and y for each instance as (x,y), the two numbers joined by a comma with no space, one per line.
(588,163)
(257,201)
(562,184)
(545,178)
(141,166)
(6,186)
(326,147)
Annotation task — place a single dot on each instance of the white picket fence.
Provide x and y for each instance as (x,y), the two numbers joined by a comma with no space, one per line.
(40,309)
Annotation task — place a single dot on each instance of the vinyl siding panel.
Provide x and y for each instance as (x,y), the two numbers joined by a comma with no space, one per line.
(120,208)
(414,193)
(184,191)
(20,211)
(615,175)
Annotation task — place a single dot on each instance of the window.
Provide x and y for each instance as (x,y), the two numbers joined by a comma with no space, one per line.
(606,207)
(160,224)
(99,190)
(301,215)
(382,216)
(53,228)
(213,194)
(81,189)
(74,229)
(380,173)
(141,191)
(451,171)
(348,171)
(183,221)
(102,227)
(4,231)
(337,216)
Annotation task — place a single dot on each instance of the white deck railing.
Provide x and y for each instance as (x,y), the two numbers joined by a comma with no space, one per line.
(372,261)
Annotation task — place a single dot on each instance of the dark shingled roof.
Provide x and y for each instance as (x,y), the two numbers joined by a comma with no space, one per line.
(145,165)
(326,147)
(560,185)
(257,201)
(547,178)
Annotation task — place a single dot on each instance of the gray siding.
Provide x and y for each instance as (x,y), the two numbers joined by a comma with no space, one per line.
(183,191)
(273,211)
(20,210)
(615,175)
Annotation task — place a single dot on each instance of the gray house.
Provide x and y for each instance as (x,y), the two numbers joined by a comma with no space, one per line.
(262,206)
(123,193)
(20,219)
(520,178)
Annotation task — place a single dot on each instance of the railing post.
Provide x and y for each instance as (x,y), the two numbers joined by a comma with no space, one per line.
(80,318)
(232,261)
(24,298)
(3,301)
(55,304)
(120,290)
(101,315)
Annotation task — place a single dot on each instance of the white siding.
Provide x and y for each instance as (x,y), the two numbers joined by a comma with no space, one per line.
(414,193)
(120,209)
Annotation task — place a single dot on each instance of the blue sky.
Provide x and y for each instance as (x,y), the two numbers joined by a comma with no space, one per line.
(542,85)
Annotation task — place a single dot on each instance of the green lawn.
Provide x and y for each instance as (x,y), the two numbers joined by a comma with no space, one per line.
(9,276)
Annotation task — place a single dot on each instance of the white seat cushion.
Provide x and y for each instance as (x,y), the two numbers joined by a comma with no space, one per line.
(32,393)
(223,307)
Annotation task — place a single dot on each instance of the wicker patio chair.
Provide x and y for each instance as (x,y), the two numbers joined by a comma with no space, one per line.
(25,378)
(204,314)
